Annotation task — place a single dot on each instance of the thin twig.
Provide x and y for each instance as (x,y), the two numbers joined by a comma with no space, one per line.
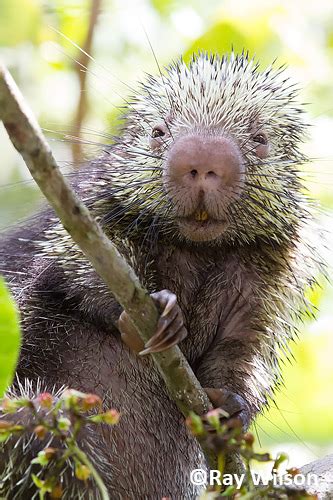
(98,480)
(83,62)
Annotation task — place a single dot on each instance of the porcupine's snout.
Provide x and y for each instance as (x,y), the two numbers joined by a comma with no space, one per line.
(204,175)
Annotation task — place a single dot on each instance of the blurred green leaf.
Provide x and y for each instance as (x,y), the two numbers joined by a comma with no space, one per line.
(252,35)
(17,28)
(10,339)
(72,20)
(316,294)
(219,38)
(163,7)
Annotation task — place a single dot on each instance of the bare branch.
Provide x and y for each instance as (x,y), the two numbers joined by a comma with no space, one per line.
(29,141)
(82,72)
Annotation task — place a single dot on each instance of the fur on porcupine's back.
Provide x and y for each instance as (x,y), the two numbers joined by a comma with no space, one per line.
(271,224)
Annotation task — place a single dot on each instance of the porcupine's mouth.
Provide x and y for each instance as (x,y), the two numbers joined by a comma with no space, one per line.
(199,226)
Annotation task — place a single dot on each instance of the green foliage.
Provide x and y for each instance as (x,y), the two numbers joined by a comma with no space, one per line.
(219,38)
(164,7)
(307,387)
(71,19)
(57,420)
(222,437)
(16,28)
(10,339)
(224,35)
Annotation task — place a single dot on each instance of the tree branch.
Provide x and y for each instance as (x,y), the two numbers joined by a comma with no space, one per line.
(29,141)
(82,72)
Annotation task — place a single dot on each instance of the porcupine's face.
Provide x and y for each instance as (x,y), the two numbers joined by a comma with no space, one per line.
(216,148)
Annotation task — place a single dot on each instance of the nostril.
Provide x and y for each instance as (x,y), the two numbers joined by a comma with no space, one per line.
(194,173)
(211,174)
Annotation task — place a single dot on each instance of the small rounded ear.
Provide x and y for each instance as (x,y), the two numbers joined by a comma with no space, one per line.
(262,151)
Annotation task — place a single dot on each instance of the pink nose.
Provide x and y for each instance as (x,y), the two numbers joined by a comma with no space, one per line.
(206,163)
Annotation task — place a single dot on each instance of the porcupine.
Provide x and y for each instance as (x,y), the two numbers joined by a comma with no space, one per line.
(202,194)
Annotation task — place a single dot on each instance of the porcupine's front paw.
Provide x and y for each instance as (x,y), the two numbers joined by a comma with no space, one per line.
(170,327)
(232,403)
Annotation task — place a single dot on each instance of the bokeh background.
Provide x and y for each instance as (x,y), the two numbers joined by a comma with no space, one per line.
(39,43)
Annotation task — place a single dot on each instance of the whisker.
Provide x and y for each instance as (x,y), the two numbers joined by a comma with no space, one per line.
(91,58)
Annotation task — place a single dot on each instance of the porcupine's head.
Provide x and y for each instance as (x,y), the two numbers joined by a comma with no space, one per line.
(212,151)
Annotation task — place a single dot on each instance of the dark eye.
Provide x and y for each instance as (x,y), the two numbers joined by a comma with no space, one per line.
(260,139)
(157,132)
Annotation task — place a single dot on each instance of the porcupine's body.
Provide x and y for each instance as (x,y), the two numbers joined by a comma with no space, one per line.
(201,194)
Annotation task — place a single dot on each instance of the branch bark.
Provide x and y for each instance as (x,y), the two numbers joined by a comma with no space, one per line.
(82,72)
(322,469)
(29,141)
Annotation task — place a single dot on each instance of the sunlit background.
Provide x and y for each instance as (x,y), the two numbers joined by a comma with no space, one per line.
(38,42)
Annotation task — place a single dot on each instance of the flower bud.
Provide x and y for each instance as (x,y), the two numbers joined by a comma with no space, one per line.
(5,425)
(91,401)
(111,417)
(293,471)
(64,424)
(194,423)
(82,472)
(56,492)
(9,405)
(45,399)
(249,439)
(40,431)
(50,452)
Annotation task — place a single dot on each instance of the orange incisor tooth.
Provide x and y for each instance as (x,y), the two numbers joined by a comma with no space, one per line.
(201,215)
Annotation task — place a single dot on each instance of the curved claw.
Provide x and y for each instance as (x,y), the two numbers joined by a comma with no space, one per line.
(165,300)
(170,327)
(164,323)
(170,340)
(234,404)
